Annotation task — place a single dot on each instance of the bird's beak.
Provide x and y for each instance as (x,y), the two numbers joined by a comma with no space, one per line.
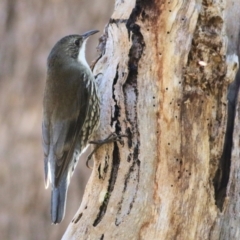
(89,33)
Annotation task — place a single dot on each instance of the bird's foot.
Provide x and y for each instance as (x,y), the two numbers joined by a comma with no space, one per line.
(96,76)
(113,137)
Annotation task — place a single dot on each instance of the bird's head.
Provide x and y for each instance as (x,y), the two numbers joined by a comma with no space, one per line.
(72,46)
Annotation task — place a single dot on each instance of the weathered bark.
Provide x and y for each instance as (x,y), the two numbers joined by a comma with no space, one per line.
(166,67)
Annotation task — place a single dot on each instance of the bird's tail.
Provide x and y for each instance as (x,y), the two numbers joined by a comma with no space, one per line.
(58,201)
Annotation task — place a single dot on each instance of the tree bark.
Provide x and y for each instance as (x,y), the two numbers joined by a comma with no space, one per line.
(165,70)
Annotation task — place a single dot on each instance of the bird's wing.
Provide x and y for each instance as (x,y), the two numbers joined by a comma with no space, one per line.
(66,129)
(45,143)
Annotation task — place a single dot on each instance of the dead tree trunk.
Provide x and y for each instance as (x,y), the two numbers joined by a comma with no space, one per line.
(165,70)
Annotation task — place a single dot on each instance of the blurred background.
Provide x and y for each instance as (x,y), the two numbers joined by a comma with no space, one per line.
(28,31)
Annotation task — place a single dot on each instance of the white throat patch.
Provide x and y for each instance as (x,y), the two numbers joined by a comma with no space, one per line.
(81,55)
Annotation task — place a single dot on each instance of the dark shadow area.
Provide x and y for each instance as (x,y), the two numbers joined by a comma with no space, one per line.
(222,174)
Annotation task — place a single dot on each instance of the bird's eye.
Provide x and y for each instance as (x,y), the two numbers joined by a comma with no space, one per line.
(77,42)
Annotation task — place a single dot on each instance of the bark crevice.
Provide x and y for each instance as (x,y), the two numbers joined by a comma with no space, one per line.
(116,113)
(130,91)
(111,183)
(221,178)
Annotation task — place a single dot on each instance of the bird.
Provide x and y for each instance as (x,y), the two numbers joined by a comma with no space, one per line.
(71,110)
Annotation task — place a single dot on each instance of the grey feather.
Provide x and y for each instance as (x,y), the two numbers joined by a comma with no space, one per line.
(66,115)
(58,200)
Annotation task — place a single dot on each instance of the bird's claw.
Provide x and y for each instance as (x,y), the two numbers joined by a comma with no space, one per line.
(113,137)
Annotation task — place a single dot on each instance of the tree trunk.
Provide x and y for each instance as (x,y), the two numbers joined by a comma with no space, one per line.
(165,69)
